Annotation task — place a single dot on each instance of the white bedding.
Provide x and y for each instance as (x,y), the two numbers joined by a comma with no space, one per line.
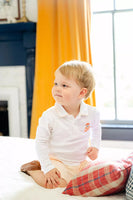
(15,185)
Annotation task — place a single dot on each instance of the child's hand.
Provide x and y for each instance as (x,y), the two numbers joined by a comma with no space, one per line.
(52,178)
(92,153)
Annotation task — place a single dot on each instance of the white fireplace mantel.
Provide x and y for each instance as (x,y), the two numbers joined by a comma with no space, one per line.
(10,94)
(13,90)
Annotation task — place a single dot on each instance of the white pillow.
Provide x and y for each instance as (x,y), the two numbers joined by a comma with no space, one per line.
(129,186)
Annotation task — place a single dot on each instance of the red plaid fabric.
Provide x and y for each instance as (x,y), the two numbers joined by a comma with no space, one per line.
(101,178)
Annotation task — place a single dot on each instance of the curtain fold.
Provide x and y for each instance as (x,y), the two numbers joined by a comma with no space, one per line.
(63,34)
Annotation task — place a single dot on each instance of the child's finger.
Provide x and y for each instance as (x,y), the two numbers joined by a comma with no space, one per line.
(89,149)
(54,182)
(58,173)
(56,179)
(49,183)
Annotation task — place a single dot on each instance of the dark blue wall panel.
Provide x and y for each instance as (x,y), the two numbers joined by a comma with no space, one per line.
(12,53)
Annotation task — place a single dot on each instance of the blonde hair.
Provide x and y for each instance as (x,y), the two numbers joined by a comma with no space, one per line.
(81,72)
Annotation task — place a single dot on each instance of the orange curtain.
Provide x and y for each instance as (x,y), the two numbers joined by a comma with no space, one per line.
(63,34)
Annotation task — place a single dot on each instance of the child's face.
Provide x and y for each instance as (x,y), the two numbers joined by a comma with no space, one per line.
(66,91)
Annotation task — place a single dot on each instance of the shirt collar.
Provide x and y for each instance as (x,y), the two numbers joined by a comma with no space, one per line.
(60,110)
(83,109)
(62,113)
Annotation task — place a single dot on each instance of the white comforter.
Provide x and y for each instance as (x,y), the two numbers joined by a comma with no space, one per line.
(15,185)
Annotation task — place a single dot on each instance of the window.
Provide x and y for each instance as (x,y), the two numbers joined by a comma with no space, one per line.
(112,56)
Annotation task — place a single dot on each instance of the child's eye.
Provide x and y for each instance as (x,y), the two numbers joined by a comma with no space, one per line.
(55,83)
(64,85)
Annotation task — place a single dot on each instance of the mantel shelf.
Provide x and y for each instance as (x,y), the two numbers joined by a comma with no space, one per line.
(18,27)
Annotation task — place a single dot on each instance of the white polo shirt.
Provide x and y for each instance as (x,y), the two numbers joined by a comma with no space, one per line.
(67,138)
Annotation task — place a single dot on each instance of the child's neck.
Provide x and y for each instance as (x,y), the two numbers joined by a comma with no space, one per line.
(72,110)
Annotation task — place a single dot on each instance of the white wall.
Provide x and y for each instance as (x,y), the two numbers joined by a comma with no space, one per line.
(31,10)
(11,12)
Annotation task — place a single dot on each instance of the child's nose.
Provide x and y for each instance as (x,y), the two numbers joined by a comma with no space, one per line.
(58,88)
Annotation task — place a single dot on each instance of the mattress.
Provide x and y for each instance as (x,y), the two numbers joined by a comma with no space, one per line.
(15,185)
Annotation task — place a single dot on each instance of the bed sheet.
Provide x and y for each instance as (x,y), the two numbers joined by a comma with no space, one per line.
(15,185)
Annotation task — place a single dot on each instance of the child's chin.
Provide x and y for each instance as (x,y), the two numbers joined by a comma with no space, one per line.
(59,102)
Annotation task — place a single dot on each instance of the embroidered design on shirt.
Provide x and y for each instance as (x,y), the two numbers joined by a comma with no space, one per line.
(87,127)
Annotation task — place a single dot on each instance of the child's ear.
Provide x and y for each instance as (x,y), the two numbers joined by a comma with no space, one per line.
(83,92)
